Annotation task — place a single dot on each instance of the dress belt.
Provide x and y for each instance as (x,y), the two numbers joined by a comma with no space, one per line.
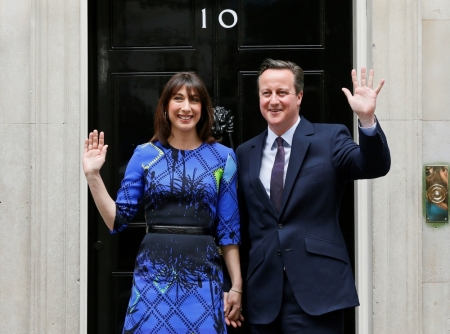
(174,229)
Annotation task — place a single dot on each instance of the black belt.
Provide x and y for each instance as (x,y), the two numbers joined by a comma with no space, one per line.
(167,229)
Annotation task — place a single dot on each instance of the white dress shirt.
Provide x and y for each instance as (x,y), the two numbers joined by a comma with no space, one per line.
(270,151)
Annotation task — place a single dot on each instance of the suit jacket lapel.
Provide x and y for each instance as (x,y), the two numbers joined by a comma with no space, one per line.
(300,144)
(254,168)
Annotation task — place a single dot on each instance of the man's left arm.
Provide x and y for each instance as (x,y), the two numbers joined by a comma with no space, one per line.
(374,152)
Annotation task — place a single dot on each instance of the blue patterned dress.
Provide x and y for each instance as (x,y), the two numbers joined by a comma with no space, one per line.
(177,282)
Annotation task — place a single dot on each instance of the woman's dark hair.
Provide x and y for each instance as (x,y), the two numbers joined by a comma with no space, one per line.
(194,86)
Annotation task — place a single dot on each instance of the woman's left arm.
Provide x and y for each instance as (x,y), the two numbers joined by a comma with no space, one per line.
(233,300)
(229,237)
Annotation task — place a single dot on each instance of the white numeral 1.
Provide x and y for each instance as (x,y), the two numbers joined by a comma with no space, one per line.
(204,17)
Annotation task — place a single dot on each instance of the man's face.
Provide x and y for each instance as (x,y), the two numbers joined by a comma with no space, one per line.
(278,101)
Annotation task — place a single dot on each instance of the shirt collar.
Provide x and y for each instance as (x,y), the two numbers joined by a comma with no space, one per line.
(287,136)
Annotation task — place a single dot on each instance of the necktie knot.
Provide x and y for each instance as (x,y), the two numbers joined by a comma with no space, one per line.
(279,141)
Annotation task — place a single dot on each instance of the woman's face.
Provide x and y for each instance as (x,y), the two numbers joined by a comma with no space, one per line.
(184,111)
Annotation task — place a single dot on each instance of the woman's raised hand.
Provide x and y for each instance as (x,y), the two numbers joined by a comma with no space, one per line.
(94,152)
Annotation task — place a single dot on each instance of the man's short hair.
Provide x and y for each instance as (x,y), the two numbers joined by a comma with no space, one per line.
(284,65)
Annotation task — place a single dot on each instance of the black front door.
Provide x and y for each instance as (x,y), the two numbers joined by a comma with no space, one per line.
(134,48)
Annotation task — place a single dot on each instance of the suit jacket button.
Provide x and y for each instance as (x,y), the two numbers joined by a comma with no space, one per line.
(279,252)
(280,226)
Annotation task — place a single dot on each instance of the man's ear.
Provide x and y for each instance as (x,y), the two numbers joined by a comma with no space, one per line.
(299,98)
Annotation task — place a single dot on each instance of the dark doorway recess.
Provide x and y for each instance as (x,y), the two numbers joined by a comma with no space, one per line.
(136,45)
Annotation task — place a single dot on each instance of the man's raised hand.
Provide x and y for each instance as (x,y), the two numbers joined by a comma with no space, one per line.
(364,98)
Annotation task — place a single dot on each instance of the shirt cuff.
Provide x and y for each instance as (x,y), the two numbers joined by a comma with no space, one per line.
(370,131)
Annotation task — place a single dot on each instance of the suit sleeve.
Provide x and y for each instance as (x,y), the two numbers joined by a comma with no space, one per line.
(370,159)
(243,212)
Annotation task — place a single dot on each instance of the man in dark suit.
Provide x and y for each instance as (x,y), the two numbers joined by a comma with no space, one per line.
(291,181)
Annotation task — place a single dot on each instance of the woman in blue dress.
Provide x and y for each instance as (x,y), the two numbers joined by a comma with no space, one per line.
(187,183)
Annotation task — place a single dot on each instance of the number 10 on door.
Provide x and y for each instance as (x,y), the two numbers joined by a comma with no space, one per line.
(229,11)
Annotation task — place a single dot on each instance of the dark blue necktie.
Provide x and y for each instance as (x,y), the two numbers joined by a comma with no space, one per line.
(276,180)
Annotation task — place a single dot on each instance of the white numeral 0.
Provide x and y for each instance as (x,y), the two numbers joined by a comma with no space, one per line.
(232,12)
(235,18)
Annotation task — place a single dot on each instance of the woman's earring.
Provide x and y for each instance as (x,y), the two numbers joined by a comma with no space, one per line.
(165,114)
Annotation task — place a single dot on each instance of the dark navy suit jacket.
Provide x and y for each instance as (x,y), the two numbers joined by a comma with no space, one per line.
(304,239)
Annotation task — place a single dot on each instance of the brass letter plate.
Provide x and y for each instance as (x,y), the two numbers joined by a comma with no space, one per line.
(436,193)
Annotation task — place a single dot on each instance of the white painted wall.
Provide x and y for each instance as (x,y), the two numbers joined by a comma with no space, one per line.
(39,166)
(397,201)
(42,115)
(15,166)
(411,275)
(436,149)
